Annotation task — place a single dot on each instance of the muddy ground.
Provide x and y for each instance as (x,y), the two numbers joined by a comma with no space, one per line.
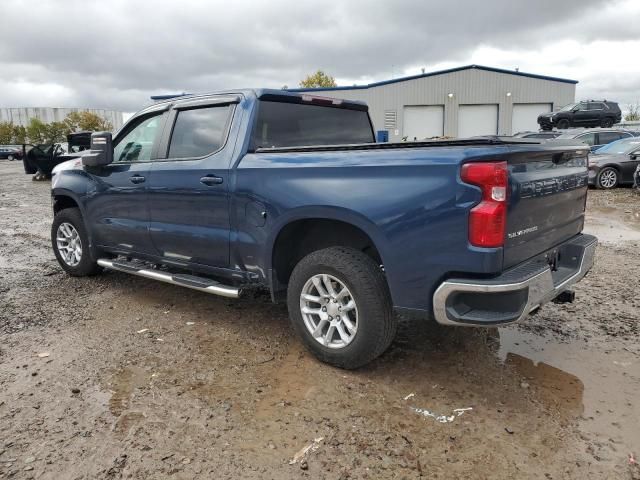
(121,377)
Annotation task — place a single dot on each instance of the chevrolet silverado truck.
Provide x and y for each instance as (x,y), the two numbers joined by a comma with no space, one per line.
(269,189)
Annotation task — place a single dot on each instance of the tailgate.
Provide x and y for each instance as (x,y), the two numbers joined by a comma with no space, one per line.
(547,197)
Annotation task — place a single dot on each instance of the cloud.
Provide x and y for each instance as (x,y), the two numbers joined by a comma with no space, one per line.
(116,54)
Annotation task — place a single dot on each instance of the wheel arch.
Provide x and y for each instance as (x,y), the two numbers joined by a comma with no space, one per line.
(296,235)
(62,198)
(615,166)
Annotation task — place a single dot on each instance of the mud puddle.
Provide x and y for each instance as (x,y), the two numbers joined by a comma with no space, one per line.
(614,216)
(597,386)
(609,226)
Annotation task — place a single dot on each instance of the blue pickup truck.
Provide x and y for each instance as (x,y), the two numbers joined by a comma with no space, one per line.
(268,189)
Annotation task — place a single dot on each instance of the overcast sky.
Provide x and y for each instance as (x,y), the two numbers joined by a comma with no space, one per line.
(116,53)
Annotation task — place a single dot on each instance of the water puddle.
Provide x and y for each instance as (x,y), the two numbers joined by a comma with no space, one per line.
(598,386)
(611,229)
(615,224)
(123,384)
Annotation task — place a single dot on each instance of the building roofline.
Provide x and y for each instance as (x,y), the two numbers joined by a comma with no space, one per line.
(439,72)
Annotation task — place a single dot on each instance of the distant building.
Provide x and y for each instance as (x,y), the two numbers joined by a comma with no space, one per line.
(458,102)
(23,115)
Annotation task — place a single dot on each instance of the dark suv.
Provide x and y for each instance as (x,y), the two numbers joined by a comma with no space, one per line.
(589,113)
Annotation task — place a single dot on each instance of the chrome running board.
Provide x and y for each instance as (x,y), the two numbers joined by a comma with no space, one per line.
(183,280)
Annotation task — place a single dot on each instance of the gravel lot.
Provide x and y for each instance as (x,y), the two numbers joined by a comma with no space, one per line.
(121,377)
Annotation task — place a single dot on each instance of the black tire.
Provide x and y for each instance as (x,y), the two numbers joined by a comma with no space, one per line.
(11,158)
(376,327)
(87,265)
(605,176)
(606,122)
(563,124)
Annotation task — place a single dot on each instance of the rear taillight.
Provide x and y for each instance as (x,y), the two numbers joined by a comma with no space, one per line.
(487,220)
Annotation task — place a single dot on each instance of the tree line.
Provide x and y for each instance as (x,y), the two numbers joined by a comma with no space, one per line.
(39,132)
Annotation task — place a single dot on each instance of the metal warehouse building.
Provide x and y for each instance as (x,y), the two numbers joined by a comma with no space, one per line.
(22,115)
(459,102)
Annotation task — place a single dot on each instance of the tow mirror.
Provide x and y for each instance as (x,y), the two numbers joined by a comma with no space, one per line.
(101,152)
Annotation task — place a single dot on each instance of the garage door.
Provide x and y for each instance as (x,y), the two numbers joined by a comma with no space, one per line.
(525,116)
(477,120)
(422,121)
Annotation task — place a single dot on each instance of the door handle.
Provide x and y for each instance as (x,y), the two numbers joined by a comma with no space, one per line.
(211,180)
(136,179)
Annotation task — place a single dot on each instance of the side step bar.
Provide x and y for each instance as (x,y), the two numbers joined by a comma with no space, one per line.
(190,281)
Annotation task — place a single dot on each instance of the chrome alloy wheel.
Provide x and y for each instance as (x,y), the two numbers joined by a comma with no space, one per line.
(608,179)
(69,244)
(329,311)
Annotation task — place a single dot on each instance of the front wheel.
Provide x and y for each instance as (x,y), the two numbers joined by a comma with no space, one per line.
(607,178)
(71,244)
(563,124)
(339,304)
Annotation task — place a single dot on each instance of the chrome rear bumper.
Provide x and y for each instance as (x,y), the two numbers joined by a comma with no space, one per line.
(517,292)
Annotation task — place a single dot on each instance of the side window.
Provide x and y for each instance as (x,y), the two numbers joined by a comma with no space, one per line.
(136,145)
(588,138)
(199,132)
(583,107)
(608,137)
(596,106)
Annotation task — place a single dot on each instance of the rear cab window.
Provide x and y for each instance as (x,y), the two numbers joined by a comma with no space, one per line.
(283,124)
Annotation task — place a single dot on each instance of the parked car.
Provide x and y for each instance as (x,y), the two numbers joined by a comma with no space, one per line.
(548,134)
(614,164)
(597,137)
(588,113)
(267,189)
(41,159)
(10,152)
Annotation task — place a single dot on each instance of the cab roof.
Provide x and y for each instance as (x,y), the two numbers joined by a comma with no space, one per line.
(261,93)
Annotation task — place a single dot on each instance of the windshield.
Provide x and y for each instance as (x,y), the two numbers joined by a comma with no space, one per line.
(566,108)
(620,147)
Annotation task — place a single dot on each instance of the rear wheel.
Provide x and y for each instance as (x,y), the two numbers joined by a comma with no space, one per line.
(71,244)
(608,178)
(606,122)
(339,304)
(11,158)
(563,124)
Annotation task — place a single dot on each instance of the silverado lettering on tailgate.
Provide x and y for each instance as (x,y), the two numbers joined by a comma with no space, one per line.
(524,231)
